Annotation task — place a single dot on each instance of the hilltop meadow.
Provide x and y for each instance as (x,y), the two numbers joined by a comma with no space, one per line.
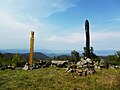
(54,78)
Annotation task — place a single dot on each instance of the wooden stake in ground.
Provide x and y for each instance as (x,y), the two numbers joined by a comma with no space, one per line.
(31,48)
(87,39)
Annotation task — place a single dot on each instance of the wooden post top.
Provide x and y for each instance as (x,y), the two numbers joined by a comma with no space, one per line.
(32,34)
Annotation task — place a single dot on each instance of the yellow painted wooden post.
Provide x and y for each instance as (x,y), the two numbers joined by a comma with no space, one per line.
(31,48)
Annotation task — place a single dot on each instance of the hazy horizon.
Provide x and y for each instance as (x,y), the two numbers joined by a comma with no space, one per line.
(57,52)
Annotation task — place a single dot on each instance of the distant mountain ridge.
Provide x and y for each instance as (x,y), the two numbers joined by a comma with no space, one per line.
(37,56)
(52,53)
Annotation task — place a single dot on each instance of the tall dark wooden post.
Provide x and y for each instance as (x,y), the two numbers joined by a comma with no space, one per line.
(87,39)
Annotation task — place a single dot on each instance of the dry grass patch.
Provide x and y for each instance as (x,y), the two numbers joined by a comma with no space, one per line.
(58,79)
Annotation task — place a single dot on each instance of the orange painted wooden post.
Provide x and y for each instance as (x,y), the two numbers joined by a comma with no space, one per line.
(31,48)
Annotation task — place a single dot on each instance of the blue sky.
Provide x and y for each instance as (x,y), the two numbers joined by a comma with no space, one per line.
(59,24)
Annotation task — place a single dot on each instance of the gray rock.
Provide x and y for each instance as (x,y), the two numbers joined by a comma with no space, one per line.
(26,67)
(88,60)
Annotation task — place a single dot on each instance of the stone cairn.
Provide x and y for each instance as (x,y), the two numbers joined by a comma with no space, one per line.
(85,66)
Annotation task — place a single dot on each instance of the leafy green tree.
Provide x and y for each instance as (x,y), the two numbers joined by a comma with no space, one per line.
(5,60)
(0,59)
(93,56)
(112,59)
(117,54)
(1,55)
(17,61)
(115,59)
(75,56)
(63,57)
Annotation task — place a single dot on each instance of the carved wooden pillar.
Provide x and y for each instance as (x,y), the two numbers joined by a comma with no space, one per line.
(87,39)
(31,48)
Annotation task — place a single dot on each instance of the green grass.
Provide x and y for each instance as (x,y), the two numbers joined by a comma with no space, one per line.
(58,79)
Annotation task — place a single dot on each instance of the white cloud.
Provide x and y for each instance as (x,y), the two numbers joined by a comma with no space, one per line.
(12,32)
(36,8)
(75,38)
(105,40)
(10,23)
(71,38)
(55,38)
(19,17)
(18,14)
(105,36)
(115,19)
(78,37)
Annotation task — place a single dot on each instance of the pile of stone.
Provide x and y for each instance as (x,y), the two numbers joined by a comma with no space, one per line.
(83,68)
(36,65)
(61,64)
(114,67)
(101,64)
(7,67)
(26,67)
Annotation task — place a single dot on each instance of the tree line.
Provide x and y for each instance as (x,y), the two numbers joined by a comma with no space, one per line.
(76,56)
(18,61)
(12,60)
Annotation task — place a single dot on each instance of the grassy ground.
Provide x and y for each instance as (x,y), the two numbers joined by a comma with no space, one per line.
(58,79)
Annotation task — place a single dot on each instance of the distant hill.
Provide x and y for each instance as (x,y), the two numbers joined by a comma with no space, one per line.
(37,55)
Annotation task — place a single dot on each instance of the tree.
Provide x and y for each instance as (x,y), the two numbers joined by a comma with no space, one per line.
(75,56)
(115,59)
(17,61)
(1,59)
(117,54)
(93,56)
(112,59)
(1,55)
(5,60)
